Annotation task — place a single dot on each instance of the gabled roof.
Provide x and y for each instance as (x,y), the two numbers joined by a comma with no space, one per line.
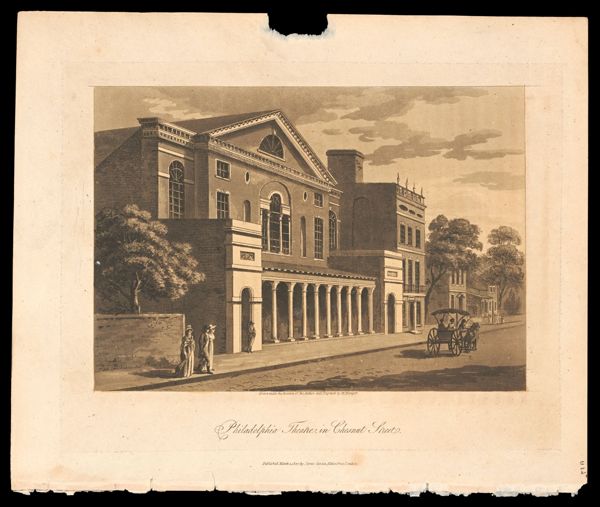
(107,141)
(220,125)
(206,125)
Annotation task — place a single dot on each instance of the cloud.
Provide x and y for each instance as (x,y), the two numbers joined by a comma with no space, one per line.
(460,147)
(400,100)
(170,109)
(418,145)
(421,144)
(493,180)
(382,129)
(302,105)
(332,132)
(481,154)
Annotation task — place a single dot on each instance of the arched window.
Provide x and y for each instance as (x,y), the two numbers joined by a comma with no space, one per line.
(275,223)
(247,211)
(176,190)
(303,237)
(272,145)
(275,219)
(332,231)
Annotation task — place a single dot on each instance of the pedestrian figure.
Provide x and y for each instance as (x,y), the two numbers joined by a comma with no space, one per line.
(251,336)
(187,352)
(207,347)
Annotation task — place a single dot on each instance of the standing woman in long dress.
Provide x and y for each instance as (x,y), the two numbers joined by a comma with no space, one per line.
(188,346)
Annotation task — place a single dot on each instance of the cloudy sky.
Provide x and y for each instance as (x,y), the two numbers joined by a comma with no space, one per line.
(463,146)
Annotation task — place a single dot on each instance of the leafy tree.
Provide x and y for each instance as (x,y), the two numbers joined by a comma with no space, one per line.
(133,257)
(452,244)
(504,235)
(512,304)
(502,264)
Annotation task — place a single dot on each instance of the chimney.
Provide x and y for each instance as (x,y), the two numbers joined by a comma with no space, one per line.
(346,166)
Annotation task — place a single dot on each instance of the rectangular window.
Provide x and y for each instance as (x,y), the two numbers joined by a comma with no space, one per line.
(410,272)
(418,303)
(409,236)
(223,170)
(402,234)
(404,274)
(275,232)
(222,205)
(264,214)
(318,238)
(417,274)
(418,238)
(318,200)
(453,277)
(285,234)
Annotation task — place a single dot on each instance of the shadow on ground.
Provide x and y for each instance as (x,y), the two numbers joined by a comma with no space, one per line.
(414,354)
(467,378)
(170,373)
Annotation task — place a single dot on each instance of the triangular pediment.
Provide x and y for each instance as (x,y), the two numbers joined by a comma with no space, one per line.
(297,153)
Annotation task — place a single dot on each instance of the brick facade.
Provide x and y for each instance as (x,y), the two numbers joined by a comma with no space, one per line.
(366,218)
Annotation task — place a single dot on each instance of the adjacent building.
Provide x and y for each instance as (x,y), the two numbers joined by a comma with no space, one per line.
(303,249)
(456,289)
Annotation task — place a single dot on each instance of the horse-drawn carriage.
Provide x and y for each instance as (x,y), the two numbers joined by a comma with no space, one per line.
(454,328)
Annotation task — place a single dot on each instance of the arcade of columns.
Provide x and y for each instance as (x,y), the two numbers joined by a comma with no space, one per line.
(328,288)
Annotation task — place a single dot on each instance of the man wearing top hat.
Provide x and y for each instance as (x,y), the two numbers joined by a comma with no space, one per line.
(207,347)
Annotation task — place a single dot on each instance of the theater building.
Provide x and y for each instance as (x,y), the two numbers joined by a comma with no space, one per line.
(303,249)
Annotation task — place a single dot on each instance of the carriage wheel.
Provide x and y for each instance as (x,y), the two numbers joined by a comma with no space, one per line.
(433,346)
(455,344)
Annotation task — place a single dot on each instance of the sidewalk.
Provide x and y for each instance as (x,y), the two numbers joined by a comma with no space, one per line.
(273,355)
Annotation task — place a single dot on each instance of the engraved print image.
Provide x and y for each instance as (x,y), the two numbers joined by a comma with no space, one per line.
(309,238)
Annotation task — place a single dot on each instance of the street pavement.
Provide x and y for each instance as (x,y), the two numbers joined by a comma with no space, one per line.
(497,365)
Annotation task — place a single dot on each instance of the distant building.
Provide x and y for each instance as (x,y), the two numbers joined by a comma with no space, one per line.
(304,250)
(458,290)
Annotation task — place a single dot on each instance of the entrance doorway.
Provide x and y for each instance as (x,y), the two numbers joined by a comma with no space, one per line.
(246,316)
(391,314)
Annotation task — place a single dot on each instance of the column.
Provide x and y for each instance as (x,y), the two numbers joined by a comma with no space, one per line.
(349,305)
(274,312)
(291,312)
(304,335)
(359,309)
(371,329)
(328,308)
(316,300)
(339,310)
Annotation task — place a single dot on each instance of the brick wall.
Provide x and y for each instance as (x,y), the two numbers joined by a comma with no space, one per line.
(128,341)
(118,177)
(204,303)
